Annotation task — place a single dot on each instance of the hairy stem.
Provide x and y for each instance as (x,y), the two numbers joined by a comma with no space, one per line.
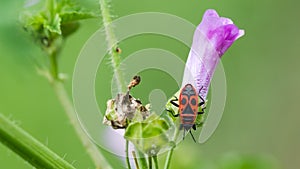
(115,56)
(112,45)
(90,147)
(28,147)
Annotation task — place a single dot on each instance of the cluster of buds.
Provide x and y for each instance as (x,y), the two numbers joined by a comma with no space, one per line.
(125,108)
(143,128)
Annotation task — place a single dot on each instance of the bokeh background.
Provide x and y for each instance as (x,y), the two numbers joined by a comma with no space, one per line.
(260,127)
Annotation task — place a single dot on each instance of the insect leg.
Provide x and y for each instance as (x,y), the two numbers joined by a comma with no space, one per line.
(201,103)
(183,134)
(174,115)
(201,112)
(173,101)
(202,100)
(192,136)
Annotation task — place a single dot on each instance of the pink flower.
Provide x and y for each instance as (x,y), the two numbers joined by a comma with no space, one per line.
(213,36)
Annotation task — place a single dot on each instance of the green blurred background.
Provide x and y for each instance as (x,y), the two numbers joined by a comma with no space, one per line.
(259,128)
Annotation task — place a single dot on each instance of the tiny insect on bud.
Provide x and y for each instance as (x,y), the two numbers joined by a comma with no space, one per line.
(118,50)
(135,81)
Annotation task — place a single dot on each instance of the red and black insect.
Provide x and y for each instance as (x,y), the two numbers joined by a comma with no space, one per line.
(188,108)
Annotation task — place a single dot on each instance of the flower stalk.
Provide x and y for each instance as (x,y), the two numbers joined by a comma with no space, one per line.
(114,52)
(150,162)
(170,153)
(113,48)
(135,160)
(28,147)
(127,155)
(155,161)
(98,159)
(142,160)
(49,28)
(53,65)
(169,157)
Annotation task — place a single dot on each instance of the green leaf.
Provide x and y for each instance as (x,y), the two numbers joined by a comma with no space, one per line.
(71,12)
(57,17)
(134,130)
(69,28)
(54,26)
(148,136)
(34,22)
(71,16)
(158,122)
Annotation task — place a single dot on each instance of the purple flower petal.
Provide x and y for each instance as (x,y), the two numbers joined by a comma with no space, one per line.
(213,36)
(220,31)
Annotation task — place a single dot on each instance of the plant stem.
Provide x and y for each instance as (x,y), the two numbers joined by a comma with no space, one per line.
(28,147)
(112,45)
(142,160)
(115,56)
(91,148)
(53,65)
(127,155)
(170,153)
(155,161)
(168,161)
(135,160)
(150,162)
